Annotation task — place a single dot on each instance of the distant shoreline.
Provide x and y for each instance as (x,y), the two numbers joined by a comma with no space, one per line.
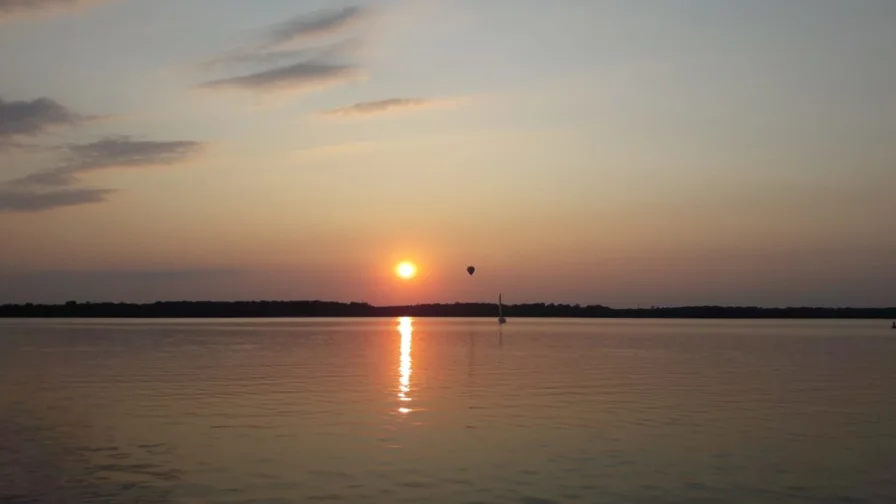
(305,309)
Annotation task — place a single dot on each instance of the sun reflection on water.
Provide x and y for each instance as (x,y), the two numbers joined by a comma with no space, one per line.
(406,329)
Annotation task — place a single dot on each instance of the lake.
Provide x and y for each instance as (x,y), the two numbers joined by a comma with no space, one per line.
(447,410)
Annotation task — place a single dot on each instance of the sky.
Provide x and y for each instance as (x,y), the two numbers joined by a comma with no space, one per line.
(615,152)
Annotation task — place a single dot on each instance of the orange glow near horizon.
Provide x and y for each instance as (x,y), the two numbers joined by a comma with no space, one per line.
(406,270)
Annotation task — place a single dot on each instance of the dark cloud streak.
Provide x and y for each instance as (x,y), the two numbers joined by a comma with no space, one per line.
(48,189)
(124,152)
(36,201)
(298,68)
(319,23)
(269,57)
(383,106)
(43,179)
(300,75)
(319,54)
(31,118)
(51,188)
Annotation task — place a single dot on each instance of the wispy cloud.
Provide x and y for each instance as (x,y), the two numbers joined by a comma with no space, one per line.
(110,153)
(297,68)
(11,8)
(124,152)
(31,118)
(298,76)
(36,201)
(42,179)
(50,188)
(385,106)
(263,58)
(315,24)
(320,53)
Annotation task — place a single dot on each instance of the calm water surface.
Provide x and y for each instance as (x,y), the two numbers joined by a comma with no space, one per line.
(435,410)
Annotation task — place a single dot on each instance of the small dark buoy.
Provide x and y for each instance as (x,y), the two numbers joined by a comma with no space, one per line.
(894,325)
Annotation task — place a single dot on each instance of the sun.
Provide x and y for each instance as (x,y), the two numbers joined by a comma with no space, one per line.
(406,270)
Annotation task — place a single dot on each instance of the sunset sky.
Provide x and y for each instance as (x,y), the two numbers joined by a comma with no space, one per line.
(619,152)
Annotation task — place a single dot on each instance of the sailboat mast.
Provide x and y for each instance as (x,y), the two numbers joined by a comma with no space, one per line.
(501,318)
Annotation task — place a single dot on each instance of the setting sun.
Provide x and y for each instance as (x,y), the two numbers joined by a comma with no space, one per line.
(406,270)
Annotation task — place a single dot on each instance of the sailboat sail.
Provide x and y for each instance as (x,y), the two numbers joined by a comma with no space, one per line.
(501,318)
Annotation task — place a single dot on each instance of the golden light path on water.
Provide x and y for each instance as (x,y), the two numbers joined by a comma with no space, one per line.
(406,329)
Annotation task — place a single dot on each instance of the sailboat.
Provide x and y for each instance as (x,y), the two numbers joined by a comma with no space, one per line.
(501,318)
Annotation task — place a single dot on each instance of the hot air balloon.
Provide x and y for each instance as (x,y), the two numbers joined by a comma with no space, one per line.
(470,270)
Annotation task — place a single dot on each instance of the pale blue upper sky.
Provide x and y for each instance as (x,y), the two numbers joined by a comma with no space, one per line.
(614,152)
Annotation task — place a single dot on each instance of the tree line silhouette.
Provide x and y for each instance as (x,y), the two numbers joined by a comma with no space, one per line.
(248,309)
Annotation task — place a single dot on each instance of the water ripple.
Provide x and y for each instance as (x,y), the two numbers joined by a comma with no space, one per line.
(430,410)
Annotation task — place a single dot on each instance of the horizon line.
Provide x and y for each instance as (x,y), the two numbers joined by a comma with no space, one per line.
(449,303)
